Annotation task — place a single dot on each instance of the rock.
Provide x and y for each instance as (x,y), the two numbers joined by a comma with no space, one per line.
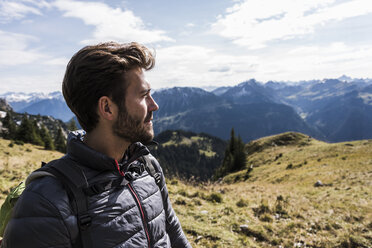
(204,212)
(299,244)
(222,191)
(198,238)
(318,184)
(244,228)
(4,106)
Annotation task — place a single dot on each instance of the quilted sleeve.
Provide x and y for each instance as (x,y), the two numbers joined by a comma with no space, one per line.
(174,229)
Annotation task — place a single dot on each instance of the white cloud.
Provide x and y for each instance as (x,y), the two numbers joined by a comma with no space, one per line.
(31,83)
(310,62)
(15,10)
(253,23)
(190,25)
(14,49)
(57,62)
(110,23)
(198,66)
(19,49)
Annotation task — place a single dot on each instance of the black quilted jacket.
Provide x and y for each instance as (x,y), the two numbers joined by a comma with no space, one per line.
(136,215)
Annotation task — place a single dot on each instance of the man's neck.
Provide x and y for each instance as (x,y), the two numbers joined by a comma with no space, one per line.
(106,143)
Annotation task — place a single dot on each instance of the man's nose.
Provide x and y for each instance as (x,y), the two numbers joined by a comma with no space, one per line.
(153,106)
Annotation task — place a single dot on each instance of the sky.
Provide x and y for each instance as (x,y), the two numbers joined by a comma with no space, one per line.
(198,43)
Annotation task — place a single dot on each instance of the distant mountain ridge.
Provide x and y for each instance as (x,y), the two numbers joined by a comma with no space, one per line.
(328,109)
(52,104)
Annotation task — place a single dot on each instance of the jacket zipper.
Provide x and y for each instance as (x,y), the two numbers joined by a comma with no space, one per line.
(142,213)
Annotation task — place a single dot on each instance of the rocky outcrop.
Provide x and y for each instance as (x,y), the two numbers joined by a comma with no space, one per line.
(4,106)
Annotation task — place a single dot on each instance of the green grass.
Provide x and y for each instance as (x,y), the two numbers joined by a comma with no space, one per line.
(204,143)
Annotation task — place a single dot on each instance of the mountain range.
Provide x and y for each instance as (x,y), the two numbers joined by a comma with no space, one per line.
(52,104)
(329,109)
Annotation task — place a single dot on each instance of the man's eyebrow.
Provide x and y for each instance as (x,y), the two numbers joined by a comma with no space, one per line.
(145,91)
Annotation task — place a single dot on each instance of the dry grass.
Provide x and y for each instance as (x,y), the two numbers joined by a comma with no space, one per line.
(273,205)
(18,161)
(280,205)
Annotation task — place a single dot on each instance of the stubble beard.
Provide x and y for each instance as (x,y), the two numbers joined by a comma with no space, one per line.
(133,129)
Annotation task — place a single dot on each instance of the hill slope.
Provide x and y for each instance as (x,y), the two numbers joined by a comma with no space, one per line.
(274,204)
(18,161)
(277,203)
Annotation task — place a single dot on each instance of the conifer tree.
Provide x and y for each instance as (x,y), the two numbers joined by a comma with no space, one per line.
(10,125)
(71,125)
(232,141)
(234,158)
(37,140)
(60,141)
(239,155)
(47,139)
(26,131)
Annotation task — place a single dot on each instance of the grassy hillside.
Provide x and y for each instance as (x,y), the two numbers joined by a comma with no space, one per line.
(272,203)
(276,203)
(17,161)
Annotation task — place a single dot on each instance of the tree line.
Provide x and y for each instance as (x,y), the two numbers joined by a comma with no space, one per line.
(235,157)
(31,131)
(187,160)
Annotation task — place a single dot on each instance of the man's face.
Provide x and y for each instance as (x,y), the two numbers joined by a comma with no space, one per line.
(134,122)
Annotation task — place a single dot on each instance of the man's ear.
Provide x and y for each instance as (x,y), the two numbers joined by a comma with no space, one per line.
(106,108)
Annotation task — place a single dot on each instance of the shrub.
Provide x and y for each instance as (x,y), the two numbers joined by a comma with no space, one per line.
(241,203)
(197,202)
(280,206)
(174,182)
(266,218)
(354,241)
(196,194)
(262,209)
(182,192)
(214,197)
(258,233)
(180,201)
(227,211)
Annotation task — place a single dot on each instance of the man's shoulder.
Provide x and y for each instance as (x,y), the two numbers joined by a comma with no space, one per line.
(44,196)
(46,186)
(43,183)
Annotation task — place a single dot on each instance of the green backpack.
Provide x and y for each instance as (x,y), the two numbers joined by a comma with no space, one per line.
(8,205)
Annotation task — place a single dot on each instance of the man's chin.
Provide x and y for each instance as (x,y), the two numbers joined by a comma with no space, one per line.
(147,136)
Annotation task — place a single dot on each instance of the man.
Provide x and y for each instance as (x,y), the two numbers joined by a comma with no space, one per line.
(105,87)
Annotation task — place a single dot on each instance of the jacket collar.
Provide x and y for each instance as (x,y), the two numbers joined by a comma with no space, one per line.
(93,159)
(85,155)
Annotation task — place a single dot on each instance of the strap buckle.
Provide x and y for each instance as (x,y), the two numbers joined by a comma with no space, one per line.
(157,177)
(84,221)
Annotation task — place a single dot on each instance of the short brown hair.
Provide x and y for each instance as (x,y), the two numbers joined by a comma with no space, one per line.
(97,71)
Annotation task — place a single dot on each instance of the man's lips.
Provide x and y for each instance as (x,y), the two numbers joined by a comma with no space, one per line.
(148,118)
